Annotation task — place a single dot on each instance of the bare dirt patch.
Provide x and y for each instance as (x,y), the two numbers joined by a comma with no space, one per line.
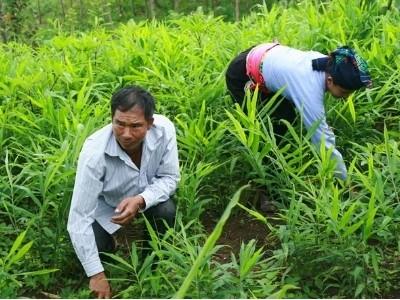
(240,228)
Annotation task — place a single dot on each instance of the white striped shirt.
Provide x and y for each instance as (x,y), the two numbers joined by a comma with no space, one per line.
(106,175)
(292,69)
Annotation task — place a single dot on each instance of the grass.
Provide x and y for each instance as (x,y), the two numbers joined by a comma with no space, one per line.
(333,238)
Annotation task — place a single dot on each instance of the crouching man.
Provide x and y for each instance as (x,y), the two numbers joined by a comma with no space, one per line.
(127,167)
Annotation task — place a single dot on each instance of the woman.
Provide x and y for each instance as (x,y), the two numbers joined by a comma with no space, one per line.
(304,76)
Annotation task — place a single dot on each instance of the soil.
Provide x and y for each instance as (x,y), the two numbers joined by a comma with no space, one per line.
(239,228)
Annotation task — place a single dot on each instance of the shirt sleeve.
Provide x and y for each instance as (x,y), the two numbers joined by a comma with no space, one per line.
(167,176)
(88,186)
(324,131)
(313,111)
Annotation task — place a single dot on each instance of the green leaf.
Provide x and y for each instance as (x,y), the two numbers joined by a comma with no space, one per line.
(17,243)
(209,244)
(21,253)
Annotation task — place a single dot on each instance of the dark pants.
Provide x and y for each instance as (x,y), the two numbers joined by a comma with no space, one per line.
(236,79)
(155,215)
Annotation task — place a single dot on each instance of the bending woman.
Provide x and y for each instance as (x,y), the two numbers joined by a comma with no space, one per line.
(305,76)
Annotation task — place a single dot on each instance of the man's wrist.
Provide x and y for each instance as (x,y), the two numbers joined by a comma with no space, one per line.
(98,275)
(142,203)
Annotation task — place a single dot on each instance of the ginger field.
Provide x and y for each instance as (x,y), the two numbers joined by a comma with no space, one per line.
(328,238)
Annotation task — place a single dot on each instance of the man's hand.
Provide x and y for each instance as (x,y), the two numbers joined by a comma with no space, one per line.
(128,209)
(98,284)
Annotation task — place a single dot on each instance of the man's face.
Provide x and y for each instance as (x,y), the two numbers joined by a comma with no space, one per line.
(130,128)
(336,90)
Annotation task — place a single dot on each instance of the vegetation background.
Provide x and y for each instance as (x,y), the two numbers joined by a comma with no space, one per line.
(22,20)
(61,60)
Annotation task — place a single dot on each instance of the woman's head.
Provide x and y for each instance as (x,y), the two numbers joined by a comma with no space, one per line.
(346,71)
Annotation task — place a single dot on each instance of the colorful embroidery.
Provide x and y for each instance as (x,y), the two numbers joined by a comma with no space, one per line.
(345,54)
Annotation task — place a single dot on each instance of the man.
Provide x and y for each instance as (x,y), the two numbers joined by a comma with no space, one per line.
(126,167)
(305,76)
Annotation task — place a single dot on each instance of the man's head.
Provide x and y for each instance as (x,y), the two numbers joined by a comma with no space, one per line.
(132,111)
(346,72)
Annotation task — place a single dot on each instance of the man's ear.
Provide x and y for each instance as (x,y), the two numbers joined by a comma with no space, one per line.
(150,122)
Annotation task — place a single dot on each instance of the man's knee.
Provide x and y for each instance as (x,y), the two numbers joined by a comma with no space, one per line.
(165,210)
(104,240)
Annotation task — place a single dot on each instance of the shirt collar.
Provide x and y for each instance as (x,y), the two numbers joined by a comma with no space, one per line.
(113,148)
(153,137)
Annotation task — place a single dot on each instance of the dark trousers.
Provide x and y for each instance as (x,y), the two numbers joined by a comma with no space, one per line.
(155,215)
(236,79)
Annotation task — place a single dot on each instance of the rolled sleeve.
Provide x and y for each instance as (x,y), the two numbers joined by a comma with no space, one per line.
(341,170)
(93,267)
(315,115)
(88,186)
(323,131)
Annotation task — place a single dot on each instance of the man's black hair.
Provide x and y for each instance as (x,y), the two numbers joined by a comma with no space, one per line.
(126,98)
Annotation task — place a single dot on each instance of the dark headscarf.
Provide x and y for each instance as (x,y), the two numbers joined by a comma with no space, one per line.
(347,68)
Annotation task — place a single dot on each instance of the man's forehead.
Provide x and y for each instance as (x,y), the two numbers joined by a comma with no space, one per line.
(134,111)
(130,120)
